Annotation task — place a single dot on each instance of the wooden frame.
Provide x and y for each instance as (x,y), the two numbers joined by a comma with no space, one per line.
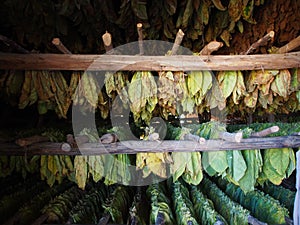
(148,63)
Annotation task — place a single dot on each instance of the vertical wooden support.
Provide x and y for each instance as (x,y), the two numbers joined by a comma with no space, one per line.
(60,46)
(177,43)
(139,27)
(107,42)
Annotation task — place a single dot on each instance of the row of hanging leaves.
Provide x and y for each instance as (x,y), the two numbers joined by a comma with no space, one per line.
(80,23)
(146,93)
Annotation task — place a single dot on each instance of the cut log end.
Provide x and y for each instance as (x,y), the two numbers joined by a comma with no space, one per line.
(139,25)
(180,33)
(271,34)
(274,129)
(106,39)
(56,41)
(66,147)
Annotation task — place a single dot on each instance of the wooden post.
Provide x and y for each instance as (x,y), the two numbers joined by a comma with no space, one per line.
(289,46)
(177,43)
(260,42)
(60,46)
(107,42)
(13,44)
(140,34)
(265,132)
(211,47)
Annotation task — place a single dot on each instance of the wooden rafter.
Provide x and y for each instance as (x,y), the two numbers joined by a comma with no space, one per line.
(132,147)
(152,63)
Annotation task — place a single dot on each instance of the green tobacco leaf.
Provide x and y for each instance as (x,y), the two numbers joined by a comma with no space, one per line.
(298,96)
(216,160)
(135,93)
(236,165)
(295,80)
(207,81)
(279,159)
(227,80)
(180,160)
(254,166)
(269,172)
(194,82)
(292,163)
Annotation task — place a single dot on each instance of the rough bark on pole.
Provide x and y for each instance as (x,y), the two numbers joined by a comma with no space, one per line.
(177,43)
(211,47)
(106,38)
(140,34)
(295,43)
(13,44)
(60,46)
(260,42)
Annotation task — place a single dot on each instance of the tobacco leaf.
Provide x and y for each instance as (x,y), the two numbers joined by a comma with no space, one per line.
(235,9)
(254,164)
(281,84)
(251,99)
(81,170)
(236,165)
(239,90)
(214,162)
(227,80)
(295,80)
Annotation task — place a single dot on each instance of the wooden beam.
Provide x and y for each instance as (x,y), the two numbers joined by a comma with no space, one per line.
(152,63)
(133,147)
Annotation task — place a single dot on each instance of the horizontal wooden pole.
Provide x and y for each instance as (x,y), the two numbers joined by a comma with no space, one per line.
(132,147)
(148,63)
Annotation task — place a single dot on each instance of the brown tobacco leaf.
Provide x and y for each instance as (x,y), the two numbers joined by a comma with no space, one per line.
(251,99)
(281,84)
(235,9)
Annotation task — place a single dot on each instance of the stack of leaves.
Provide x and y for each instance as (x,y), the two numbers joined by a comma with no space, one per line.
(173,96)
(285,196)
(56,168)
(204,208)
(114,168)
(18,164)
(142,93)
(11,202)
(89,96)
(183,206)
(31,210)
(88,209)
(185,164)
(229,209)
(118,206)
(160,204)
(277,165)
(155,163)
(262,206)
(57,209)
(49,89)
